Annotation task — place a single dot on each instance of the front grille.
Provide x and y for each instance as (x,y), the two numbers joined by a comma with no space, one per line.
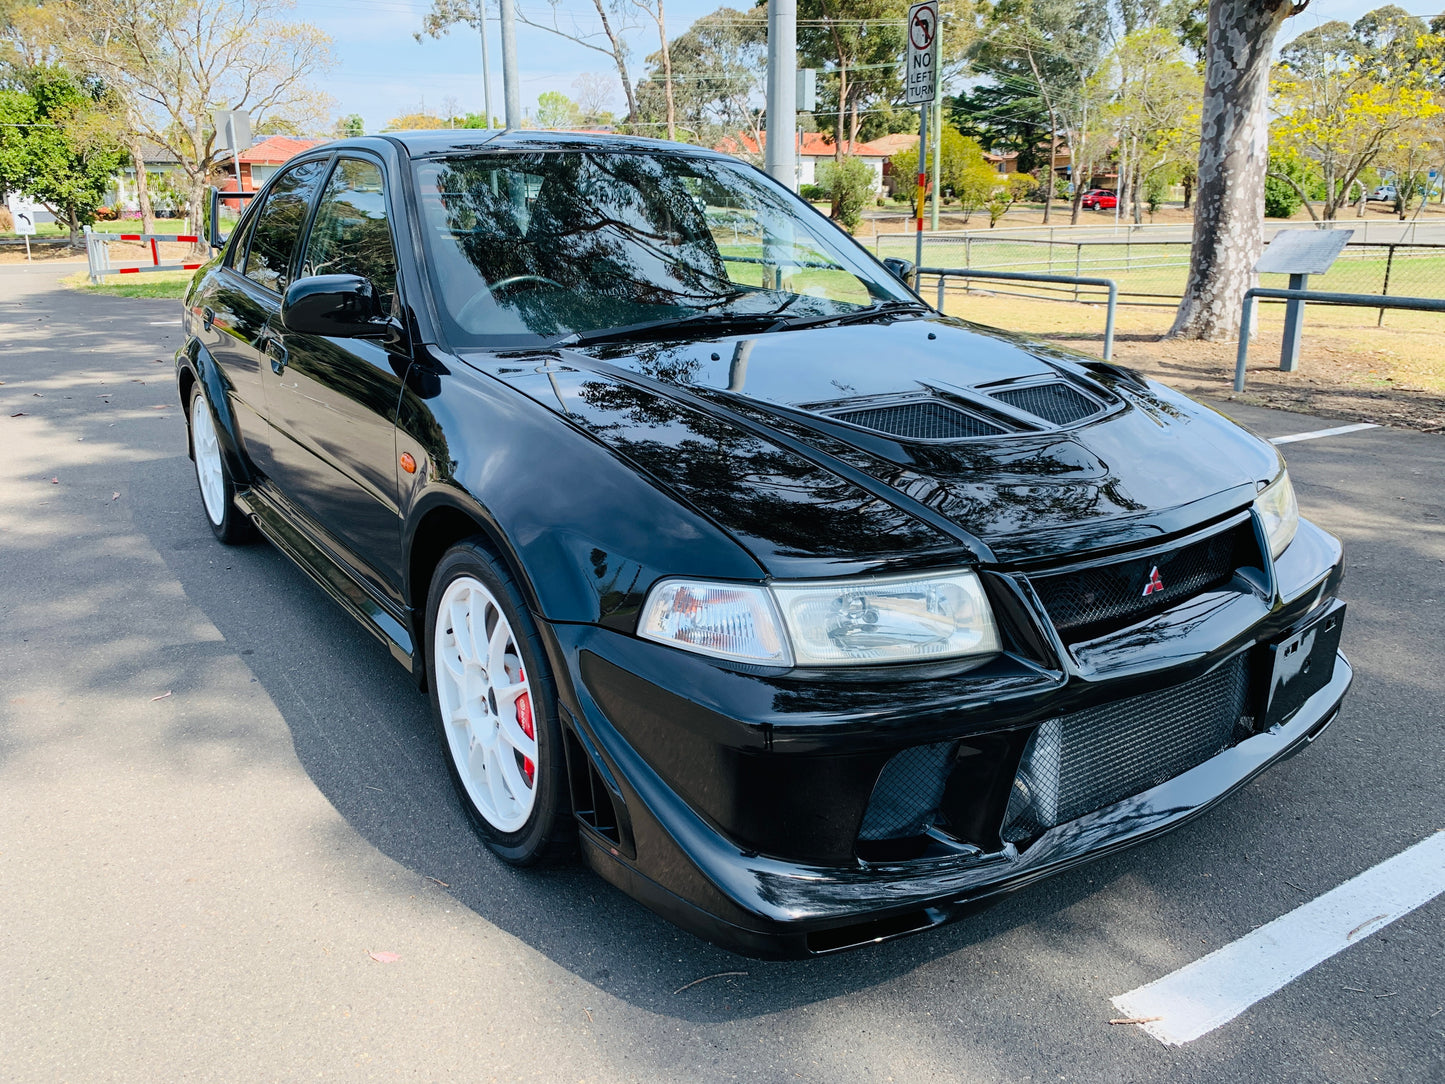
(923,420)
(1075,764)
(1090,601)
(906,796)
(1059,403)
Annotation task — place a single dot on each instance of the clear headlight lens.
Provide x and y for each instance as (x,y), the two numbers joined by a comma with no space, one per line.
(727,621)
(894,619)
(827,623)
(1280,513)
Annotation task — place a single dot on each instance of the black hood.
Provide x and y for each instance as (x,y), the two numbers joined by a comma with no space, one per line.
(837,449)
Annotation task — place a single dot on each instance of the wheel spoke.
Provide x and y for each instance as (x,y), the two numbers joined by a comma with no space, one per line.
(513,735)
(502,798)
(507,694)
(512,773)
(462,628)
(497,651)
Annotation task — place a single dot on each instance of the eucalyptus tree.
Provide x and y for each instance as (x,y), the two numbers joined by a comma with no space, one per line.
(1233,157)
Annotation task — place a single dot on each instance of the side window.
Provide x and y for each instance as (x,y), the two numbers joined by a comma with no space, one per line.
(237,256)
(273,239)
(350,234)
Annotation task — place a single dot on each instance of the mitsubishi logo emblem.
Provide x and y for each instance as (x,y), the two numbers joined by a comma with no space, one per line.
(1155,583)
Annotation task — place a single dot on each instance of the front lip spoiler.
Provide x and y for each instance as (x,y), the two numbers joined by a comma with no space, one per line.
(798,911)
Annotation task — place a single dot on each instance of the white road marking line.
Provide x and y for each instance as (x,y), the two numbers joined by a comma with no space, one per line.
(1213,990)
(1336,431)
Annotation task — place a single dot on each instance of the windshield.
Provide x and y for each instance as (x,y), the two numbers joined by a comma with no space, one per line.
(526,248)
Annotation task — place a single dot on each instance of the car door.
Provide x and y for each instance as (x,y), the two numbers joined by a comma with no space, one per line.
(332,402)
(245,305)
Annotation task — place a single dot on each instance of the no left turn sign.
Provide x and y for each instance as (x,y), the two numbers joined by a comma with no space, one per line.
(921,72)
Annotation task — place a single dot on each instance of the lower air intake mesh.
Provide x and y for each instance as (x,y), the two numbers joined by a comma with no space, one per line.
(906,796)
(1059,403)
(1075,764)
(924,420)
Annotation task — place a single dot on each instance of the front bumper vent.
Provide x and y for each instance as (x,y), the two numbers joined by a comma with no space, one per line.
(1078,763)
(923,419)
(908,792)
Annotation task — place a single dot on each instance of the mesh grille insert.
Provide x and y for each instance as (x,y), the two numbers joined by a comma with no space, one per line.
(1090,601)
(924,420)
(1059,403)
(1076,764)
(906,796)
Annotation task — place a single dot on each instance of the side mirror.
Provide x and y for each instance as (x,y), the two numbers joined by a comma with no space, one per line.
(343,306)
(902,269)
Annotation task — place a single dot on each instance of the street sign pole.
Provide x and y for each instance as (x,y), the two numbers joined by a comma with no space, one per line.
(921,88)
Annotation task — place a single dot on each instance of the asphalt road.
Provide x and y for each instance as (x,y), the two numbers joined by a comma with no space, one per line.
(218,796)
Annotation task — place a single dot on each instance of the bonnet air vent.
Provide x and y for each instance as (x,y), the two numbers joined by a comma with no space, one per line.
(1059,403)
(925,420)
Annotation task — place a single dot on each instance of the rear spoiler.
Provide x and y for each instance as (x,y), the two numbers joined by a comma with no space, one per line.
(213,230)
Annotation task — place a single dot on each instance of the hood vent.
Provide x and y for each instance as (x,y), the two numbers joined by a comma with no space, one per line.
(919,419)
(1058,403)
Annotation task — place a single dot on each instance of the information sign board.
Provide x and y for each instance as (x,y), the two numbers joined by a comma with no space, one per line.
(23,212)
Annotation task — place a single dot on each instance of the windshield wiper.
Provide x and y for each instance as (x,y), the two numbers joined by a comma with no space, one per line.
(870,312)
(698,321)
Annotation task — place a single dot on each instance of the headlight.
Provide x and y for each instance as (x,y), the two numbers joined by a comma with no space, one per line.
(1280,513)
(827,623)
(728,621)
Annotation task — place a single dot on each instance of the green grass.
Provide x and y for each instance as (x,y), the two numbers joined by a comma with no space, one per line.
(163,284)
(1161,269)
(119,225)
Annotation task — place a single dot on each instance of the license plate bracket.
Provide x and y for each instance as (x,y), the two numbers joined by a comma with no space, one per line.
(1302,664)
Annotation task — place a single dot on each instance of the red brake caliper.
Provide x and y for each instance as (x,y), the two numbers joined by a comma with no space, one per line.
(524,720)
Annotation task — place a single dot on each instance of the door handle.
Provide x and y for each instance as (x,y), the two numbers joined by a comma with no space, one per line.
(208,317)
(278,355)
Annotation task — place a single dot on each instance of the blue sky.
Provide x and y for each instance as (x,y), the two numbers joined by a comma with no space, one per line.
(382,72)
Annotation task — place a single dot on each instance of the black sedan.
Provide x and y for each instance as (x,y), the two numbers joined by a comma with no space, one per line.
(812,616)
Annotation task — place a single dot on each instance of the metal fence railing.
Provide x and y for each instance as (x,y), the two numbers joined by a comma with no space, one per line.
(1152,269)
(1366,301)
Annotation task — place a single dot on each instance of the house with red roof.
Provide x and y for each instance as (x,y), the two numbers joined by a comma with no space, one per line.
(814,148)
(260,162)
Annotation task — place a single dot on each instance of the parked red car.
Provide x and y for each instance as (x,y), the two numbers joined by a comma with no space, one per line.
(1100,199)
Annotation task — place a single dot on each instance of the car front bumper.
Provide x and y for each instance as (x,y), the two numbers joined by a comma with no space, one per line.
(733,798)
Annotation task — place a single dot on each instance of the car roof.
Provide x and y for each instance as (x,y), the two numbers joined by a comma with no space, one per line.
(444,141)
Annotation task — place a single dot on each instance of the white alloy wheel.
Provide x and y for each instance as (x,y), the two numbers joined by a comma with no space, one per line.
(486,704)
(207,451)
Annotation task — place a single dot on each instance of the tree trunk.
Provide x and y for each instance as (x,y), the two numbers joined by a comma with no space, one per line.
(1233,157)
(1053,165)
(77,239)
(619,55)
(1188,191)
(666,73)
(142,187)
(842,106)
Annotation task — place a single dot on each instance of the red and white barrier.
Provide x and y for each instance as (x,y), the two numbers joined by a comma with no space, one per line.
(97,252)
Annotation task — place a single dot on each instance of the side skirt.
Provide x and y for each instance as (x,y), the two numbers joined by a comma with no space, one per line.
(330,576)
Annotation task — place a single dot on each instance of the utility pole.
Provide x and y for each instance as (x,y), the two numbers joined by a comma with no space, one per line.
(782,115)
(486,63)
(937,128)
(511,85)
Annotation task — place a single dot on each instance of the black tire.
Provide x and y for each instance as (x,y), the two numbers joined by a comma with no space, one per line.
(227,522)
(548,832)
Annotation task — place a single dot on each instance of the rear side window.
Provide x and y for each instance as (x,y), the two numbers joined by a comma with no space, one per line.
(273,240)
(350,234)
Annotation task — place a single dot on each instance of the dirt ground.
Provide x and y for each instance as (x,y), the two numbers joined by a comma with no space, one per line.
(1349,368)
